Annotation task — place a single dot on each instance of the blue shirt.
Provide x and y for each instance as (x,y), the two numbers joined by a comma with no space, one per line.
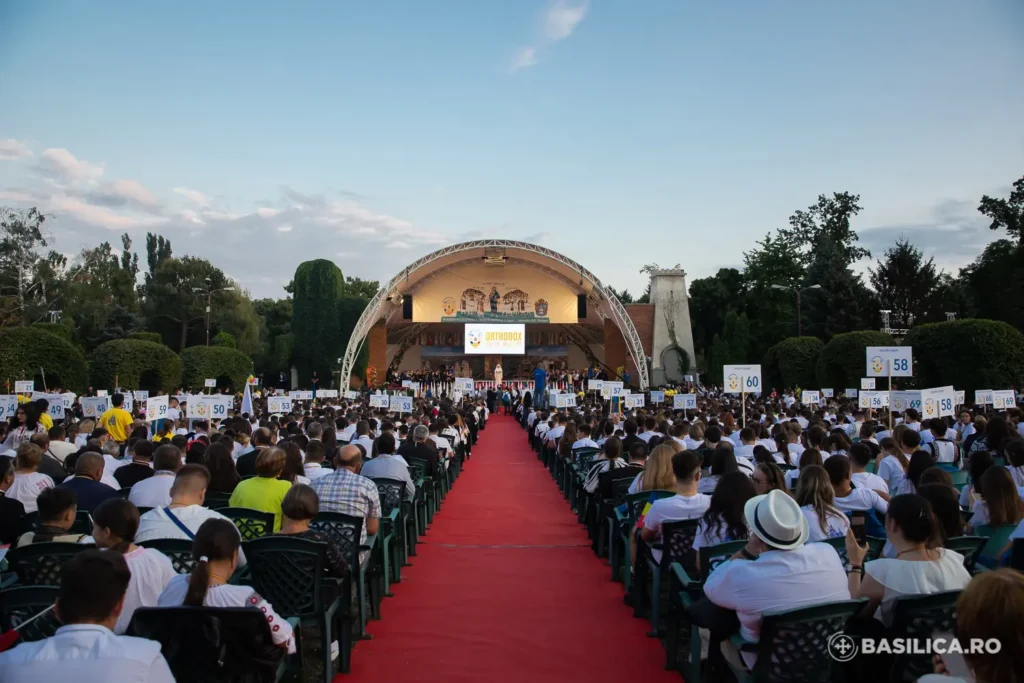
(539,378)
(90,492)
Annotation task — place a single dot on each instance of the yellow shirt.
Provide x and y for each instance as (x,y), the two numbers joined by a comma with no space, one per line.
(46,421)
(117,422)
(263,494)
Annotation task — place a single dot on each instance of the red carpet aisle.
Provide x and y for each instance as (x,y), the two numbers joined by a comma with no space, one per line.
(505,588)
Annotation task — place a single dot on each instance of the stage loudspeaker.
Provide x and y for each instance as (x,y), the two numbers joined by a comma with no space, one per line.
(407,307)
(581,306)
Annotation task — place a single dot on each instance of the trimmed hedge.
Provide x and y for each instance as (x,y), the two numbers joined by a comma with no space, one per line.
(230,367)
(843,361)
(792,362)
(135,364)
(968,354)
(24,350)
(59,329)
(146,336)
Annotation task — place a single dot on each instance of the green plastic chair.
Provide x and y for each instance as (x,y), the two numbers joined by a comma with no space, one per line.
(684,591)
(920,617)
(875,546)
(391,536)
(290,573)
(960,477)
(18,605)
(676,546)
(626,516)
(177,550)
(41,564)
(998,537)
(216,500)
(345,531)
(794,644)
(251,524)
(871,467)
(968,546)
(81,525)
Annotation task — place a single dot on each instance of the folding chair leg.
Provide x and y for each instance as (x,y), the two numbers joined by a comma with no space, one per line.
(655,602)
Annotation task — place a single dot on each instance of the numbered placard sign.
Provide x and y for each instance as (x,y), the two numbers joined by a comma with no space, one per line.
(595,384)
(744,379)
(156,408)
(960,396)
(867,383)
(828,393)
(810,398)
(565,401)
(68,399)
(874,399)
(351,395)
(56,409)
(612,389)
(657,397)
(24,386)
(94,406)
(301,395)
(212,407)
(8,406)
(850,393)
(401,404)
(279,404)
(463,384)
(210,384)
(937,402)
(635,400)
(1003,399)
(380,401)
(141,395)
(883,361)
(901,399)
(983,397)
(684,402)
(327,393)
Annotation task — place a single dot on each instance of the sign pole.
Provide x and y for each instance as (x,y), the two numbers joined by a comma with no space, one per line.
(888,365)
(743,399)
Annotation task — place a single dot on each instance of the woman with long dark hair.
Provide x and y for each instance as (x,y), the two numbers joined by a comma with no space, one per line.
(892,463)
(996,435)
(919,462)
(1000,502)
(22,425)
(816,497)
(723,462)
(223,474)
(724,520)
(215,549)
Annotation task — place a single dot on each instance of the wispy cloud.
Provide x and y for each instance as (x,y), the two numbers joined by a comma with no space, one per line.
(60,164)
(558,22)
(194,196)
(11,149)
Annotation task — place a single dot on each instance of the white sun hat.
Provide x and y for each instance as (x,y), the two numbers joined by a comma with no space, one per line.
(777,520)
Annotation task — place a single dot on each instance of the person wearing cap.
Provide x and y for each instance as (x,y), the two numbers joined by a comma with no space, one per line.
(776,570)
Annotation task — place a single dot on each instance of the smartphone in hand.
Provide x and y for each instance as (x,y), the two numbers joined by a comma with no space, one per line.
(955,663)
(858,525)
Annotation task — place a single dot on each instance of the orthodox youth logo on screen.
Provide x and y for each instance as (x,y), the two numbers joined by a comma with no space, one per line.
(495,339)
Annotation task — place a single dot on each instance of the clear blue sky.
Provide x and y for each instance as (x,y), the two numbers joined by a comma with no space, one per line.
(618,132)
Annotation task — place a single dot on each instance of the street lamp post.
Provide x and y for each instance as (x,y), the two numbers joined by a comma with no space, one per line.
(799,317)
(209,301)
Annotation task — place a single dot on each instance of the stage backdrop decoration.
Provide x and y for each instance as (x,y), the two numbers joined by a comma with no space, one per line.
(479,293)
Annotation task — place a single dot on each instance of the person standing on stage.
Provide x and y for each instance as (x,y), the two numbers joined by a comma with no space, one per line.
(539,381)
(499,374)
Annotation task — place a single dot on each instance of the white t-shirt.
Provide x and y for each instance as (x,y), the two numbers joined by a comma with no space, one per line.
(315,470)
(707,537)
(867,480)
(151,572)
(862,499)
(673,509)
(27,487)
(691,444)
(555,433)
(835,525)
(156,524)
(744,451)
(226,595)
(585,443)
(778,580)
(1018,475)
(152,492)
(902,577)
(792,476)
(891,471)
(795,451)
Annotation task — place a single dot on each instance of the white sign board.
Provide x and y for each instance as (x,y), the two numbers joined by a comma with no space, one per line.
(68,399)
(463,384)
(210,384)
(351,395)
(937,402)
(565,401)
(141,395)
(56,409)
(657,397)
(684,402)
(327,393)
(401,404)
(983,397)
(742,379)
(612,389)
(279,404)
(101,392)
(212,407)
(301,395)
(867,383)
(380,401)
(595,384)
(94,406)
(24,386)
(635,400)
(850,393)
(885,360)
(156,408)
(1003,399)
(8,406)
(810,397)
(828,393)
(488,338)
(960,396)
(873,399)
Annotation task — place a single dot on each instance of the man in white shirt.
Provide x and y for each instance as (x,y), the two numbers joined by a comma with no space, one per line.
(363,438)
(59,447)
(584,441)
(748,439)
(555,433)
(649,425)
(350,429)
(387,465)
(85,649)
(788,573)
(686,504)
(313,467)
(155,491)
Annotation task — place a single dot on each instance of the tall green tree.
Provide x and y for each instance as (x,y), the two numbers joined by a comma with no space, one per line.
(358,287)
(99,294)
(827,222)
(1007,213)
(843,303)
(907,283)
(316,319)
(711,299)
(993,286)
(275,319)
(771,311)
(21,251)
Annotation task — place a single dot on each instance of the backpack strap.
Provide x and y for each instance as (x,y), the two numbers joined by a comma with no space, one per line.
(178,523)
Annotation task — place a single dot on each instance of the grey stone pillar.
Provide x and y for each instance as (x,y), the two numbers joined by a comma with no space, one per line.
(671,325)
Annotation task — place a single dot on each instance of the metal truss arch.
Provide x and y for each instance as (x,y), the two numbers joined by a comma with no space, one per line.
(373,310)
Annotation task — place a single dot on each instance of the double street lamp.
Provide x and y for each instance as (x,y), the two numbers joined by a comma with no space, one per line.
(209,299)
(799,320)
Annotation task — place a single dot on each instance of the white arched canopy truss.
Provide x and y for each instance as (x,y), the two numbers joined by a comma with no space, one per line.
(388,297)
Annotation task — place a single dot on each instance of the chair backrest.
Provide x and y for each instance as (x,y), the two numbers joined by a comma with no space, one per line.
(713,555)
(177,550)
(18,605)
(391,493)
(959,477)
(211,644)
(968,546)
(875,546)
(81,525)
(622,479)
(124,492)
(251,523)
(636,501)
(921,617)
(794,643)
(677,541)
(585,457)
(215,500)
(288,573)
(344,530)
(41,564)
(998,537)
